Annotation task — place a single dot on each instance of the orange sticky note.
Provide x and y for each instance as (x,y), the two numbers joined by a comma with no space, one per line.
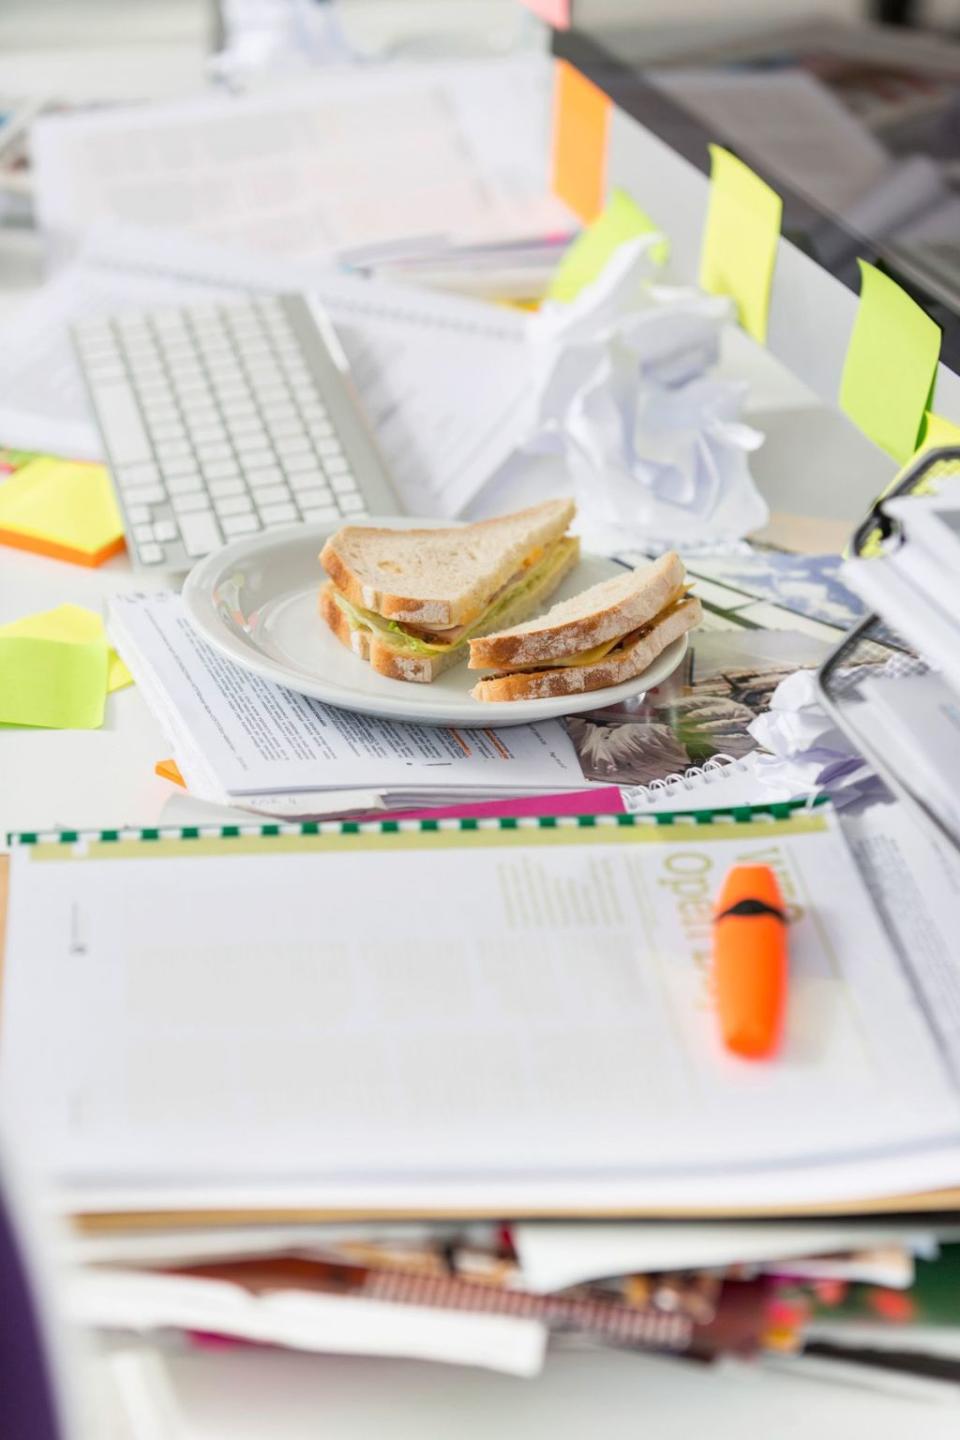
(61,508)
(581,122)
(170,770)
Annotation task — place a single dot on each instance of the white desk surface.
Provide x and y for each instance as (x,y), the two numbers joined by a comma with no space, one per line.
(273,1396)
(105,778)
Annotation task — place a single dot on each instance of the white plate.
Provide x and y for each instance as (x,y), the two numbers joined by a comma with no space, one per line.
(256,601)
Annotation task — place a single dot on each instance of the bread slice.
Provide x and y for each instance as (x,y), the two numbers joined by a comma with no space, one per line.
(439,578)
(614,669)
(399,664)
(614,607)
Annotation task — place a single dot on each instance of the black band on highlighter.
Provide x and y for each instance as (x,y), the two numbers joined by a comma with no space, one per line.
(753,907)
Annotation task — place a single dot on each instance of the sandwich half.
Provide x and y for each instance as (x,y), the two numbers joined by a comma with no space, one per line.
(604,636)
(410,601)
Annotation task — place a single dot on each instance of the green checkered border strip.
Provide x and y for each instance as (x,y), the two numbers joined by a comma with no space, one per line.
(775,810)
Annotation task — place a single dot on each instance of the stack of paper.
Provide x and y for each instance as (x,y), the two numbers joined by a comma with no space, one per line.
(259,1033)
(239,739)
(910,720)
(497,1296)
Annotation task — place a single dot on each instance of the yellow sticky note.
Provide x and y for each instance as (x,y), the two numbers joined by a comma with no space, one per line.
(73,625)
(740,239)
(891,364)
(61,508)
(622,220)
(52,683)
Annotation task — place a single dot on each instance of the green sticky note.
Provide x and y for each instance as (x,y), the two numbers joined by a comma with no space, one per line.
(622,220)
(75,624)
(53,683)
(740,239)
(891,364)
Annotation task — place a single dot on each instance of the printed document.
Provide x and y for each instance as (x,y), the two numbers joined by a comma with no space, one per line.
(492,1018)
(355,157)
(231,729)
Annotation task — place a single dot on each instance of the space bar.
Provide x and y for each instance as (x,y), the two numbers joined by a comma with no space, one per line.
(126,439)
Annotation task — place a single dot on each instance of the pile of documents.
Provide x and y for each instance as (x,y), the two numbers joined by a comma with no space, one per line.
(874,1293)
(239,739)
(909,711)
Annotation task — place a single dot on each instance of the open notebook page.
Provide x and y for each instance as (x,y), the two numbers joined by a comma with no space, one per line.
(498,1018)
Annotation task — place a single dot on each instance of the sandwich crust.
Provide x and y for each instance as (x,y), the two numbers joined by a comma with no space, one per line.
(438,578)
(614,607)
(614,669)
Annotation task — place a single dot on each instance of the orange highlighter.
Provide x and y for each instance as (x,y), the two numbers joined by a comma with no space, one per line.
(750,960)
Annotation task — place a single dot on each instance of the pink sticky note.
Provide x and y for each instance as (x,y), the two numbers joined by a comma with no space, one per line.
(555,12)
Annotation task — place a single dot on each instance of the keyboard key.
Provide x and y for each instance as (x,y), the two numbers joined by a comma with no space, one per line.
(329,449)
(335,466)
(166,432)
(322,515)
(305,464)
(213,452)
(191,504)
(165,530)
(320,429)
(277,514)
(185,465)
(240,525)
(288,428)
(312,498)
(144,495)
(138,514)
(343,484)
(142,474)
(201,534)
(150,554)
(227,487)
(184,484)
(295,445)
(308,478)
(233,505)
(143,533)
(271,495)
(221,470)
(175,449)
(256,459)
(267,475)
(123,431)
(352,504)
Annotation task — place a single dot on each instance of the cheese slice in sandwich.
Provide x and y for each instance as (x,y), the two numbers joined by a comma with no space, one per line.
(410,601)
(604,636)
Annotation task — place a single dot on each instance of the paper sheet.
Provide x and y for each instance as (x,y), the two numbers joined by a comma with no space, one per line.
(354,157)
(891,364)
(556,1255)
(740,239)
(898,858)
(444,380)
(252,736)
(542,1026)
(52,683)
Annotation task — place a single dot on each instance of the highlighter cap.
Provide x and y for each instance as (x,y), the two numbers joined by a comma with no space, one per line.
(749,882)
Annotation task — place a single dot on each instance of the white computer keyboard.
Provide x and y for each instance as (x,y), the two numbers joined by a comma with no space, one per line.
(224,419)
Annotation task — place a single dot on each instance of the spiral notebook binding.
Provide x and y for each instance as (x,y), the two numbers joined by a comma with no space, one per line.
(673,787)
